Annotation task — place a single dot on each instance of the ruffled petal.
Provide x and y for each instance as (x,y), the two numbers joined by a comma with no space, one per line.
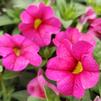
(78,90)
(89,64)
(33,58)
(20,64)
(50,26)
(65,86)
(25,27)
(34,89)
(81,48)
(58,68)
(47,11)
(8,61)
(26,17)
(4,51)
(18,39)
(6,41)
(89,79)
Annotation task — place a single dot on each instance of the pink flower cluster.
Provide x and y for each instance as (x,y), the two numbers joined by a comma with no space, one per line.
(73,68)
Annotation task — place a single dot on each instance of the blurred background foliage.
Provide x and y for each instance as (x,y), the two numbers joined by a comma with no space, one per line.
(13,84)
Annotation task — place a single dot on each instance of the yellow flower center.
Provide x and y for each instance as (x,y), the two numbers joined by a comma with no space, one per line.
(37,23)
(78,69)
(17,51)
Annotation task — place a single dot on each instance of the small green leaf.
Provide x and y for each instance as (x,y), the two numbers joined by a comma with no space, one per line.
(16,31)
(1,68)
(97,52)
(21,3)
(20,95)
(70,98)
(10,75)
(1,32)
(100,84)
(30,98)
(5,20)
(86,96)
(50,95)
(47,52)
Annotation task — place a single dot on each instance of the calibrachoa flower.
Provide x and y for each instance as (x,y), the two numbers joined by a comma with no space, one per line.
(97,98)
(39,23)
(36,86)
(96,27)
(74,68)
(73,35)
(89,16)
(17,52)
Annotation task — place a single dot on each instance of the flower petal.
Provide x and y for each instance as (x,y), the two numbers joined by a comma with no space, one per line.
(34,89)
(89,64)
(6,40)
(80,48)
(25,27)
(9,61)
(89,79)
(18,39)
(65,86)
(32,10)
(78,90)
(4,51)
(47,11)
(34,58)
(57,68)
(26,17)
(50,26)
(20,63)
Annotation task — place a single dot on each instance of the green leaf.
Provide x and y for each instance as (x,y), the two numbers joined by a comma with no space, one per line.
(16,31)
(87,96)
(5,20)
(1,68)
(70,98)
(25,77)
(1,32)
(10,75)
(50,95)
(21,3)
(47,52)
(20,95)
(30,98)
(14,14)
(97,52)
(100,84)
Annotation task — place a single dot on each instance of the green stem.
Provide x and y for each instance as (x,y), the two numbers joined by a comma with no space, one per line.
(3,91)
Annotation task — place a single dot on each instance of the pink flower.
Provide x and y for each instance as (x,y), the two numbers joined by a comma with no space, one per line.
(74,68)
(36,86)
(73,35)
(97,98)
(17,52)
(89,16)
(95,27)
(39,23)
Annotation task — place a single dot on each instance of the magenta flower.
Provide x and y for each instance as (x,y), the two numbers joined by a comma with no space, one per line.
(39,23)
(89,16)
(95,27)
(36,86)
(74,68)
(17,52)
(73,35)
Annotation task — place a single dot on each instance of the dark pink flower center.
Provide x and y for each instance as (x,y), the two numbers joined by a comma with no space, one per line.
(37,23)
(78,69)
